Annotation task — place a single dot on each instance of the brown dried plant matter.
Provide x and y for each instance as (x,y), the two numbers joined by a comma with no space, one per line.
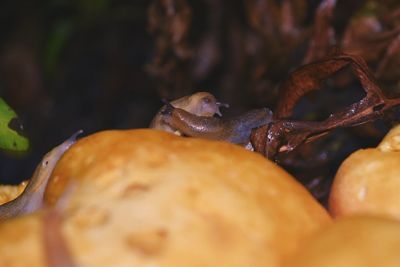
(244,48)
(169,21)
(284,134)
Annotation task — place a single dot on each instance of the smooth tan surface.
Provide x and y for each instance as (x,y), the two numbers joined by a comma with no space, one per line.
(391,142)
(352,242)
(10,192)
(148,198)
(21,242)
(368,181)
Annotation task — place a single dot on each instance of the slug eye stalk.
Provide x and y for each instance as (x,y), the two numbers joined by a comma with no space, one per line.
(168,108)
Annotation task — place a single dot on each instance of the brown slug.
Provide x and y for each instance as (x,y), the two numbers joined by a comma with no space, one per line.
(235,130)
(31,198)
(200,104)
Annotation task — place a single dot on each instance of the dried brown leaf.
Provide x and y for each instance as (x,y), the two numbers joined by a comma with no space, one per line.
(285,135)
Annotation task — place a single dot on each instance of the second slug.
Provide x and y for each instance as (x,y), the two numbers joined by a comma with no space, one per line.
(200,104)
(235,130)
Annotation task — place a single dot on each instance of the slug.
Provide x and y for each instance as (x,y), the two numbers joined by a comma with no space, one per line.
(235,130)
(31,198)
(200,104)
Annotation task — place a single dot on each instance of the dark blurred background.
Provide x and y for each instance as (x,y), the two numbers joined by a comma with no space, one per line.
(67,65)
(70,65)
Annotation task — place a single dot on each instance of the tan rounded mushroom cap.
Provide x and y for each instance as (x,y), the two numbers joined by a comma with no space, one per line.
(10,192)
(148,198)
(352,242)
(368,181)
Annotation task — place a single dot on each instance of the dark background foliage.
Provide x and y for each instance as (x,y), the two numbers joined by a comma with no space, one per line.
(69,65)
(102,64)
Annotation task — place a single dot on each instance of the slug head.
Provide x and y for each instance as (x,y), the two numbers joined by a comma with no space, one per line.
(51,158)
(205,104)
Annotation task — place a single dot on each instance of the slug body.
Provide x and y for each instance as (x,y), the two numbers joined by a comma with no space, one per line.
(199,104)
(31,198)
(236,130)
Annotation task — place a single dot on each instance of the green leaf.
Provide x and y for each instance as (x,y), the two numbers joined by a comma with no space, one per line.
(10,137)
